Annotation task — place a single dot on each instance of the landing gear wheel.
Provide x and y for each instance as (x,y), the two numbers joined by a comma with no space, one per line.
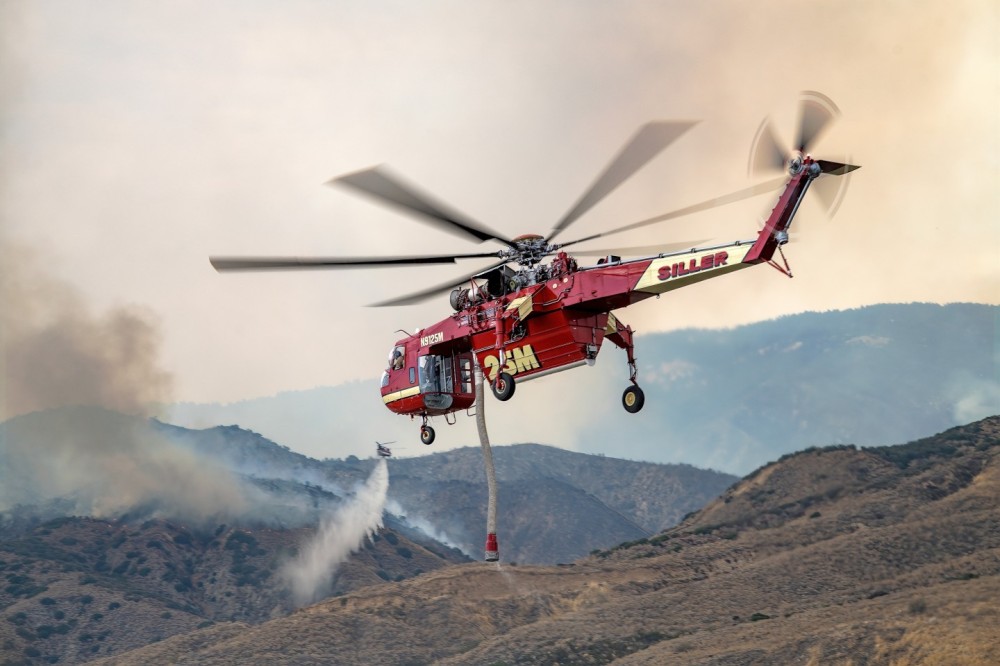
(503,386)
(426,434)
(633,399)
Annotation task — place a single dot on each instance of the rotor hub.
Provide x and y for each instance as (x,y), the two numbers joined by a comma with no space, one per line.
(795,165)
(529,249)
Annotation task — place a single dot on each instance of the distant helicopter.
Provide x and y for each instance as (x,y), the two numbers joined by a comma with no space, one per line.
(383,450)
(520,318)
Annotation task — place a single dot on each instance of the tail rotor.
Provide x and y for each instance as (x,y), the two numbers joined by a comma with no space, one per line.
(769,155)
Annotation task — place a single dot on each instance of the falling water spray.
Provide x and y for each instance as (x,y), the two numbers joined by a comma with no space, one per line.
(492,548)
(339,535)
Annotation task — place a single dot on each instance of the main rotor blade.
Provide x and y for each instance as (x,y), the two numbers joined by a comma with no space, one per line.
(420,296)
(817,110)
(659,248)
(379,184)
(646,144)
(753,191)
(234,264)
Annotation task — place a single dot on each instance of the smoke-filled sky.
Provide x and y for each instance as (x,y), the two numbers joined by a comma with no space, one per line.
(140,137)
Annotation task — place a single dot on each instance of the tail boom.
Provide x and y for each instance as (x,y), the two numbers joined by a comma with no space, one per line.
(775,231)
(680,270)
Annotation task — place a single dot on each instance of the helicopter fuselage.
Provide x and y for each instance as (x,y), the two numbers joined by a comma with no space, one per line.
(537,330)
(560,322)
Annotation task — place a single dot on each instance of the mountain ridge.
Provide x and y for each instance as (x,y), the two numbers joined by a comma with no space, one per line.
(726,399)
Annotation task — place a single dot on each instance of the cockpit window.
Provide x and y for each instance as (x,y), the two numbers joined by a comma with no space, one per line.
(397,358)
(384,381)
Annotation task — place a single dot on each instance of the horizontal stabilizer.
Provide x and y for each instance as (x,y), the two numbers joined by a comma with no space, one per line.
(836,168)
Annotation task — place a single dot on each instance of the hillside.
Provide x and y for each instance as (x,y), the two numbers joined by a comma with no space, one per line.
(730,399)
(830,556)
(76,588)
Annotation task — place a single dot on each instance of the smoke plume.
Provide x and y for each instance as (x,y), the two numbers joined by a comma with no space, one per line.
(426,526)
(975,399)
(339,535)
(56,353)
(104,464)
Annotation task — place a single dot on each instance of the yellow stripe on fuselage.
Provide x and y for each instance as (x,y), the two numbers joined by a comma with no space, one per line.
(399,395)
(680,270)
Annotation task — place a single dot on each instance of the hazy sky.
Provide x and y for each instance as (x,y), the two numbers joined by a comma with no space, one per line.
(140,137)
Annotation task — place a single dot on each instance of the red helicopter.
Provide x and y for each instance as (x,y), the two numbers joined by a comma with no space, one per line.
(520,318)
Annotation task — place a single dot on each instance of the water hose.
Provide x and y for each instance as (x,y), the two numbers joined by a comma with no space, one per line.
(492,549)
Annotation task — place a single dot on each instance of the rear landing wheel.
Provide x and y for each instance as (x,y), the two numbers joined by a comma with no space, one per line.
(503,386)
(426,434)
(633,399)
